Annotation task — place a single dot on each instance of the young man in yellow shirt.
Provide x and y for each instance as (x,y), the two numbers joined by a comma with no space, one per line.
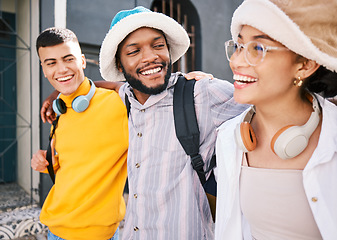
(90,145)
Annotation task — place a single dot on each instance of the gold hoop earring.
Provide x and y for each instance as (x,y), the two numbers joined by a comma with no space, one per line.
(298,82)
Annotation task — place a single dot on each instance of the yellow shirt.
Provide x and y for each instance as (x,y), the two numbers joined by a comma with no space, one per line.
(86,201)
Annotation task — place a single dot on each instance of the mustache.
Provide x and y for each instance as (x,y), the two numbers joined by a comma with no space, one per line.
(164,64)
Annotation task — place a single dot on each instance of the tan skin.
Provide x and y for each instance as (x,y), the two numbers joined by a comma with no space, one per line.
(278,102)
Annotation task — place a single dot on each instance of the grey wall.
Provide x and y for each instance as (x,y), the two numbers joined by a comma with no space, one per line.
(215,18)
(46,20)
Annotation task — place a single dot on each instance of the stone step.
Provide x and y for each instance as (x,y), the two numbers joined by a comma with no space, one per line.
(12,196)
(22,223)
(19,214)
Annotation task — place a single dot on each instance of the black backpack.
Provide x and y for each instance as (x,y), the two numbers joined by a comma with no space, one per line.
(188,134)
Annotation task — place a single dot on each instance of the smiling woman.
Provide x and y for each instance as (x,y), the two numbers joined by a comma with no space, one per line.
(280,153)
(269,68)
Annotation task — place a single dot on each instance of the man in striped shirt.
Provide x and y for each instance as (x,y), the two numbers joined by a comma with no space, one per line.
(166,198)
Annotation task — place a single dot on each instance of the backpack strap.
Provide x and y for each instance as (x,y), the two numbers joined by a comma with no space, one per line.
(127,104)
(49,156)
(186,124)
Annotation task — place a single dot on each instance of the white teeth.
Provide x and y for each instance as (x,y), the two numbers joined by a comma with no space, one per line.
(151,71)
(240,83)
(241,78)
(61,79)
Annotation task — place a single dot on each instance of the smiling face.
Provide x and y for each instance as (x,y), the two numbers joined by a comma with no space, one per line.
(270,80)
(145,60)
(63,66)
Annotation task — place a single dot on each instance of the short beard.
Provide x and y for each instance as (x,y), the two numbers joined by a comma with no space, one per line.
(138,85)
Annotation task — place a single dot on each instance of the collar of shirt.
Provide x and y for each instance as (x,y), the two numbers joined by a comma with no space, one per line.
(153,99)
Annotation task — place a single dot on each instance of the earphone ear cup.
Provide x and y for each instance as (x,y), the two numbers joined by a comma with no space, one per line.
(59,106)
(248,136)
(80,104)
(245,137)
(277,134)
(289,141)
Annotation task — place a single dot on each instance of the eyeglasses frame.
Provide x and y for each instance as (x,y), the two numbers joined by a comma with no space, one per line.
(265,49)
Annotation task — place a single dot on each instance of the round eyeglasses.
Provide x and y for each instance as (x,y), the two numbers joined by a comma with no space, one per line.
(254,52)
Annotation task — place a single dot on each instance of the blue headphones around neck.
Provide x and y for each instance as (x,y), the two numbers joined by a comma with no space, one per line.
(79,104)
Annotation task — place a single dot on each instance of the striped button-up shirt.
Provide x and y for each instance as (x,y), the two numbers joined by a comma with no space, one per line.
(166,199)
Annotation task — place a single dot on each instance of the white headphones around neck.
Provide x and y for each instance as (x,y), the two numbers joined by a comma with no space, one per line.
(288,142)
(79,104)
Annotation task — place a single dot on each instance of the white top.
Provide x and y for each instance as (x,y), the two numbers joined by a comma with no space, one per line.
(319,179)
(274,203)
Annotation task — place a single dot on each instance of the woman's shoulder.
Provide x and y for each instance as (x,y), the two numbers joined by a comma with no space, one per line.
(232,123)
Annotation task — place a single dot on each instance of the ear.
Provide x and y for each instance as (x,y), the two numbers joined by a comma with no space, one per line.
(84,61)
(43,70)
(307,68)
(119,65)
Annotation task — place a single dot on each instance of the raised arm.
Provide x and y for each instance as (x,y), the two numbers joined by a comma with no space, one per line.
(47,113)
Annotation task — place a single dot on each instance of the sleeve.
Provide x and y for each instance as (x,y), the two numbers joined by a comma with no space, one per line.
(122,91)
(218,94)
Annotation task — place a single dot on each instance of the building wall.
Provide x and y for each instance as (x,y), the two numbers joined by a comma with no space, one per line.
(46,20)
(35,78)
(215,21)
(27,72)
(27,93)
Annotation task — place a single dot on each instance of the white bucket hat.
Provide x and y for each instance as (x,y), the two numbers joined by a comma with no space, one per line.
(307,27)
(127,21)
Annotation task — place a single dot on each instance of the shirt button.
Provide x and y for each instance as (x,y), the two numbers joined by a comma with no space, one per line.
(135,195)
(314,199)
(139,134)
(137,165)
(135,229)
(143,110)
